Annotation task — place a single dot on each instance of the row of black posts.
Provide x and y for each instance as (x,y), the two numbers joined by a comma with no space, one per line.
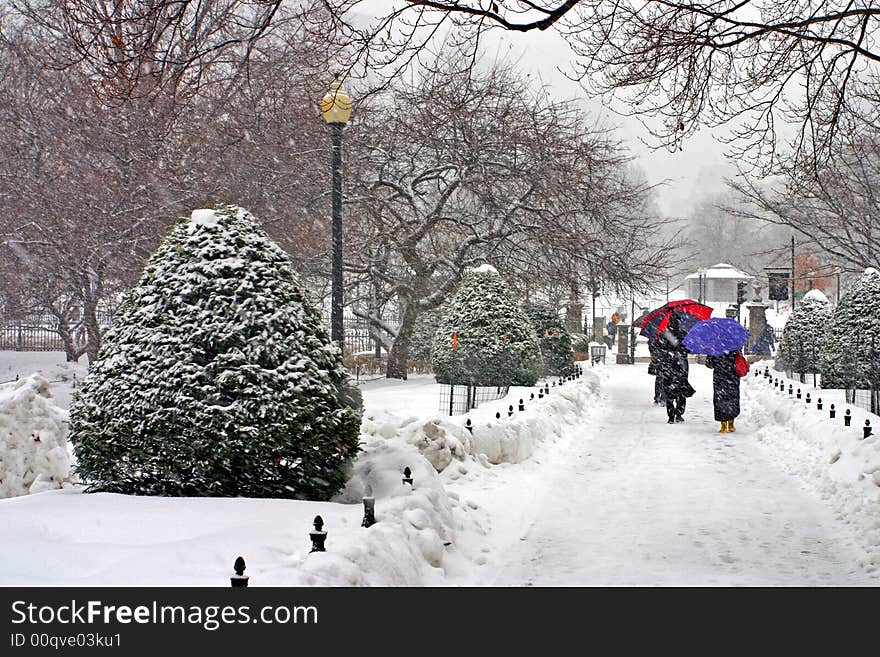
(543,390)
(832,412)
(319,536)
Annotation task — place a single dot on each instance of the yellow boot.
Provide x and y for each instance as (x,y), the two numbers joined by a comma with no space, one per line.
(730,427)
(723,428)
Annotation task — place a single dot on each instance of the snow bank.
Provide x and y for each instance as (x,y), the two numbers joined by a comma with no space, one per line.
(425,534)
(832,459)
(442,440)
(34,453)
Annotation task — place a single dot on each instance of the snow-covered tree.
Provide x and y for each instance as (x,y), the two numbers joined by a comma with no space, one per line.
(850,356)
(554,339)
(484,337)
(802,336)
(217,377)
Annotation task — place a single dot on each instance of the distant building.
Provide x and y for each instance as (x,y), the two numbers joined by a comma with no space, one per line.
(718,285)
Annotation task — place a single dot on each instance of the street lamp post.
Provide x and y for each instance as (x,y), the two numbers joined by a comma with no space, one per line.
(336,110)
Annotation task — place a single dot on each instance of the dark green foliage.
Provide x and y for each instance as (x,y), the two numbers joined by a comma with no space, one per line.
(496,342)
(553,338)
(801,341)
(850,356)
(423,334)
(218,377)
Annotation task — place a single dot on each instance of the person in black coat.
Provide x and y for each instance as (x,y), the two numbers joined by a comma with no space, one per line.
(725,384)
(672,368)
(659,394)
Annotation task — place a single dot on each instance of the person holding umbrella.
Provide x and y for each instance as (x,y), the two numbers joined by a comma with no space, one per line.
(664,329)
(721,340)
(725,387)
(672,369)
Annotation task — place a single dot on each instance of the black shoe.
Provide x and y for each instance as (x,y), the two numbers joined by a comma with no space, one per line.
(679,418)
(670,421)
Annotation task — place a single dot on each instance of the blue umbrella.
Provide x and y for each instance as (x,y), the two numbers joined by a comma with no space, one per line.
(716,336)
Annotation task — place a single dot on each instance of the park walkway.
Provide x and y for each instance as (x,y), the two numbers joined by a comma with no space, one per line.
(631,500)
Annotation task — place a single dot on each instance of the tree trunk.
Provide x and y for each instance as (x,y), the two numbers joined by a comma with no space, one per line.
(399,351)
(93,331)
(68,342)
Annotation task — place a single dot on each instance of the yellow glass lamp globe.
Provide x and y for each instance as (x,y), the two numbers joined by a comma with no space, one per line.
(336,105)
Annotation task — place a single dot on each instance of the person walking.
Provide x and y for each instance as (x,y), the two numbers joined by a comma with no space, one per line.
(765,342)
(672,367)
(611,327)
(726,372)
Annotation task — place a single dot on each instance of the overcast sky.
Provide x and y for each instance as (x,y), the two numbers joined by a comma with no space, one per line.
(694,172)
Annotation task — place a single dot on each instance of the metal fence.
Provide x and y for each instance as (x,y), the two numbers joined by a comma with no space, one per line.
(29,335)
(457,400)
(802,364)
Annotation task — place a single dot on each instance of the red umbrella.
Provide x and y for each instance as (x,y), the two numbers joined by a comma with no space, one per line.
(688,311)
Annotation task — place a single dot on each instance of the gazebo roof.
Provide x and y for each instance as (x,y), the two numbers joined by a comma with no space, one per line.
(722,270)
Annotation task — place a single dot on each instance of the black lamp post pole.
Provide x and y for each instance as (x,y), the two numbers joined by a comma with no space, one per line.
(336,329)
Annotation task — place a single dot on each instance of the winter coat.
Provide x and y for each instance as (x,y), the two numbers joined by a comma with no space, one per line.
(763,345)
(672,367)
(725,382)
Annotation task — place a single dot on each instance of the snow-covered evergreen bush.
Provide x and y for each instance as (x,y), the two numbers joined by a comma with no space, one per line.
(801,341)
(553,338)
(495,343)
(217,377)
(423,334)
(850,356)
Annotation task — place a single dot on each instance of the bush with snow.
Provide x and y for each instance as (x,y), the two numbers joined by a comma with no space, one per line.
(850,355)
(554,340)
(484,337)
(217,376)
(802,336)
(34,454)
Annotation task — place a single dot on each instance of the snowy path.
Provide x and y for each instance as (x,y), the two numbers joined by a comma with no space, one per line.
(635,501)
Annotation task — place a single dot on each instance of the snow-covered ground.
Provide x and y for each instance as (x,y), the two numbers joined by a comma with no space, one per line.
(589,486)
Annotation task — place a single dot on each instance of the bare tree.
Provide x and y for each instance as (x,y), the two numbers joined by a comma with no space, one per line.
(835,209)
(678,65)
(87,186)
(464,168)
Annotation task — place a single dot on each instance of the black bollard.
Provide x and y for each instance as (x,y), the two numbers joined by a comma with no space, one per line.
(546,389)
(819,404)
(532,396)
(522,406)
(318,536)
(239,580)
(497,416)
(369,512)
(407,476)
(540,395)
(867,429)
(469,426)
(510,410)
(832,413)
(847,418)
(798,393)
(790,389)
(808,398)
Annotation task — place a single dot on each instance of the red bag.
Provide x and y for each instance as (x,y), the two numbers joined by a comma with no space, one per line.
(740,364)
